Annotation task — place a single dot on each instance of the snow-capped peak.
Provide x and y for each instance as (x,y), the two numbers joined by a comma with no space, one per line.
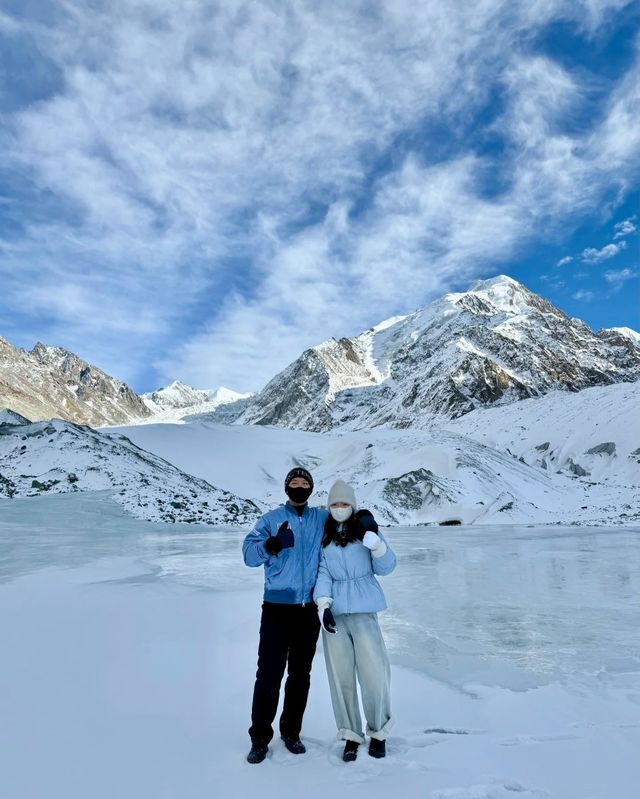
(496,343)
(627,332)
(503,292)
(497,282)
(175,395)
(223,395)
(177,399)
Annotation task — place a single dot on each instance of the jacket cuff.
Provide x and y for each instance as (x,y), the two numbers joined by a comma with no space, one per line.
(380,550)
(324,602)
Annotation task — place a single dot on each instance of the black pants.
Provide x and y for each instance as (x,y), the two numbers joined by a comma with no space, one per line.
(288,637)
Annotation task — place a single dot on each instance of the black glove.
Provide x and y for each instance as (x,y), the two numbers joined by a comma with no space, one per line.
(328,621)
(365,522)
(283,539)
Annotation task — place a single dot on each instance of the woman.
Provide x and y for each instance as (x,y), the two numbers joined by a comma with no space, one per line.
(348,597)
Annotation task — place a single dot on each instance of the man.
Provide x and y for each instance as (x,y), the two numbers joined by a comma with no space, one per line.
(286,541)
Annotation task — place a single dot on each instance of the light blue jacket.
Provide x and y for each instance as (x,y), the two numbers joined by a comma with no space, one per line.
(290,575)
(347,575)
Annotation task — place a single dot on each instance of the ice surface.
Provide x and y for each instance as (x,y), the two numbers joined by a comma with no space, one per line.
(515,606)
(129,654)
(510,606)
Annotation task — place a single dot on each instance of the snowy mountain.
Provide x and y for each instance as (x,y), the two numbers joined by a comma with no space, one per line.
(55,456)
(484,468)
(622,336)
(50,381)
(175,395)
(172,403)
(492,345)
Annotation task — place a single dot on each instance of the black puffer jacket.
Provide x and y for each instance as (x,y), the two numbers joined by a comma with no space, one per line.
(352,530)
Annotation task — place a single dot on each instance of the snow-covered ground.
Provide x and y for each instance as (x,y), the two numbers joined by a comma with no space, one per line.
(129,649)
(594,433)
(429,476)
(59,457)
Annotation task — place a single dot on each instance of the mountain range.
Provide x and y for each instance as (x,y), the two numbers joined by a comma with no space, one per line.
(487,406)
(494,344)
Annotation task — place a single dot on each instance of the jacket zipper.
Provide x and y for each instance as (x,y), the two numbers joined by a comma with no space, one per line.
(344,564)
(302,556)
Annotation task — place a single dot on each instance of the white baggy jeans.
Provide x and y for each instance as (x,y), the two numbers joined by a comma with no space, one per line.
(358,649)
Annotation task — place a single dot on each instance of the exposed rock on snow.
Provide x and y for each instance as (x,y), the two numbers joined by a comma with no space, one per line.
(414,490)
(7,416)
(492,345)
(59,457)
(621,335)
(608,448)
(50,381)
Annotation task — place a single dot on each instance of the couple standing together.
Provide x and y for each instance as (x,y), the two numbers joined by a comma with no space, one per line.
(320,566)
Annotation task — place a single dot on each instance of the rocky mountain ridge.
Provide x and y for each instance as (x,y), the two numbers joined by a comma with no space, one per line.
(51,381)
(492,345)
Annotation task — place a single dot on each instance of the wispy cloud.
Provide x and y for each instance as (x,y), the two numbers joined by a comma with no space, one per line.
(593,255)
(236,182)
(566,260)
(8,24)
(584,295)
(616,278)
(626,227)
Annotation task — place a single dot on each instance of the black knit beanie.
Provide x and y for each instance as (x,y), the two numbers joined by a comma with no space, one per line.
(298,472)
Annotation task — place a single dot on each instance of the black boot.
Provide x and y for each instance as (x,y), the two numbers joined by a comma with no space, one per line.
(350,751)
(258,752)
(294,745)
(377,748)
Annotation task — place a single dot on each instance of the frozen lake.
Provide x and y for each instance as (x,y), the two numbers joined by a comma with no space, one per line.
(510,606)
(129,650)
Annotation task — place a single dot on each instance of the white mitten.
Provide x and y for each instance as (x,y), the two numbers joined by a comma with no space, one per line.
(371,540)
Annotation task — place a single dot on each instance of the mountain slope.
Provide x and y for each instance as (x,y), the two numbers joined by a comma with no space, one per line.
(405,476)
(594,434)
(492,345)
(8,416)
(50,381)
(59,457)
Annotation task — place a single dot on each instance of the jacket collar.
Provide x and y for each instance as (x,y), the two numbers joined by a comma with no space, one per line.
(292,509)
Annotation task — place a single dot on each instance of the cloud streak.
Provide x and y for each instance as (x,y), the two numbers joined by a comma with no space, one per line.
(594,256)
(616,278)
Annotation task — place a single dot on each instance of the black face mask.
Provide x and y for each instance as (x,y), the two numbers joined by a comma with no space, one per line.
(298,494)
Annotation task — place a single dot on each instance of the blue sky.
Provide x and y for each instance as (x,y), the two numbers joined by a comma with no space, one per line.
(201,190)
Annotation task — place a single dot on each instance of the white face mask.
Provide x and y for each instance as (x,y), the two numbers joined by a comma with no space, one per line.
(341,514)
